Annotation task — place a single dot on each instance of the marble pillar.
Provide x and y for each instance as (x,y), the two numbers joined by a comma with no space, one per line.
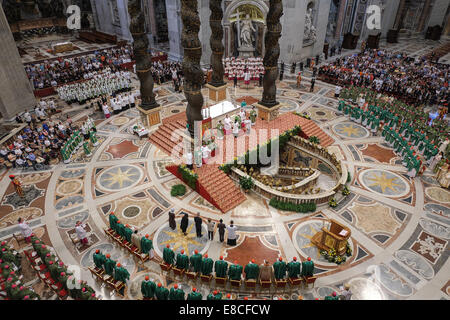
(398,18)
(193,74)
(438,14)
(205,32)
(217,87)
(340,21)
(148,108)
(16,93)
(268,107)
(173,9)
(424,16)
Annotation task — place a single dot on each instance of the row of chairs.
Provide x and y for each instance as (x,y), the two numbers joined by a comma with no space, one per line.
(44,275)
(116,286)
(236,285)
(130,247)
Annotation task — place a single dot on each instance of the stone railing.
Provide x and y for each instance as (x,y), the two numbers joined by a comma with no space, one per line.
(270,193)
(316,151)
(296,172)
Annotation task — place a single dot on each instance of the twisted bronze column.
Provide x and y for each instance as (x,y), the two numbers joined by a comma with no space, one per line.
(193,74)
(141,54)
(217,48)
(269,98)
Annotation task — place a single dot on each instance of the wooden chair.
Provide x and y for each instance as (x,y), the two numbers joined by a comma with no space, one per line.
(265,285)
(294,283)
(165,267)
(309,280)
(192,276)
(236,284)
(143,257)
(206,279)
(250,284)
(117,286)
(178,273)
(220,282)
(280,284)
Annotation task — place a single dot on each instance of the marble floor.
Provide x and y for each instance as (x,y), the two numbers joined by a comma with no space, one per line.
(400,226)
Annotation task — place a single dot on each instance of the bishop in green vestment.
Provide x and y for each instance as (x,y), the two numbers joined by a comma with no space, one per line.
(121,274)
(333,296)
(214,296)
(109,265)
(99,259)
(251,271)
(279,269)
(207,266)
(128,233)
(161,292)
(308,268)
(176,293)
(194,295)
(293,268)
(221,268)
(196,261)
(182,261)
(235,271)
(146,244)
(148,288)
(168,255)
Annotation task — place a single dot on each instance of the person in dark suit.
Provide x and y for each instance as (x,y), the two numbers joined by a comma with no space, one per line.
(184,223)
(261,78)
(198,225)
(221,227)
(172,222)
(313,82)
(235,80)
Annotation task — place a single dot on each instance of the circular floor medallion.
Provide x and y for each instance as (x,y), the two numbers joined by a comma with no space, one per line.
(350,130)
(385,183)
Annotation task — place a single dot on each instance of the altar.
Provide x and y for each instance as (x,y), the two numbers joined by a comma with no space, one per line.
(63,47)
(218,112)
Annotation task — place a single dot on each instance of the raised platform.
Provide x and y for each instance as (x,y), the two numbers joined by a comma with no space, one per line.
(215,187)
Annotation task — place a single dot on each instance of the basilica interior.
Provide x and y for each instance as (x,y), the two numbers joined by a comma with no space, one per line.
(307,135)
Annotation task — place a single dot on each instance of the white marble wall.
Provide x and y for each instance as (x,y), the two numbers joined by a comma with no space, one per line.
(106,22)
(438,12)
(205,32)
(291,41)
(175,27)
(16,93)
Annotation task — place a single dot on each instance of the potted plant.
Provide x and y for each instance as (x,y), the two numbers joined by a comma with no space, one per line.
(345,191)
(246,183)
(333,203)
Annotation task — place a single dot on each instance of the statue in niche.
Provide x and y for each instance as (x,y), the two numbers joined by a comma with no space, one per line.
(310,29)
(247,31)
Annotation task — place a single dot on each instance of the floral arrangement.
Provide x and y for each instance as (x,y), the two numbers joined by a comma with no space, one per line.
(345,191)
(332,203)
(332,256)
(188,176)
(349,250)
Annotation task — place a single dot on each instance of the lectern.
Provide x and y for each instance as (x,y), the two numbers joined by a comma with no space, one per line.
(333,238)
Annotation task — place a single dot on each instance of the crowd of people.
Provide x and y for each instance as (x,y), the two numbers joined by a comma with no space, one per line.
(165,71)
(36,144)
(64,70)
(415,81)
(105,83)
(239,67)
